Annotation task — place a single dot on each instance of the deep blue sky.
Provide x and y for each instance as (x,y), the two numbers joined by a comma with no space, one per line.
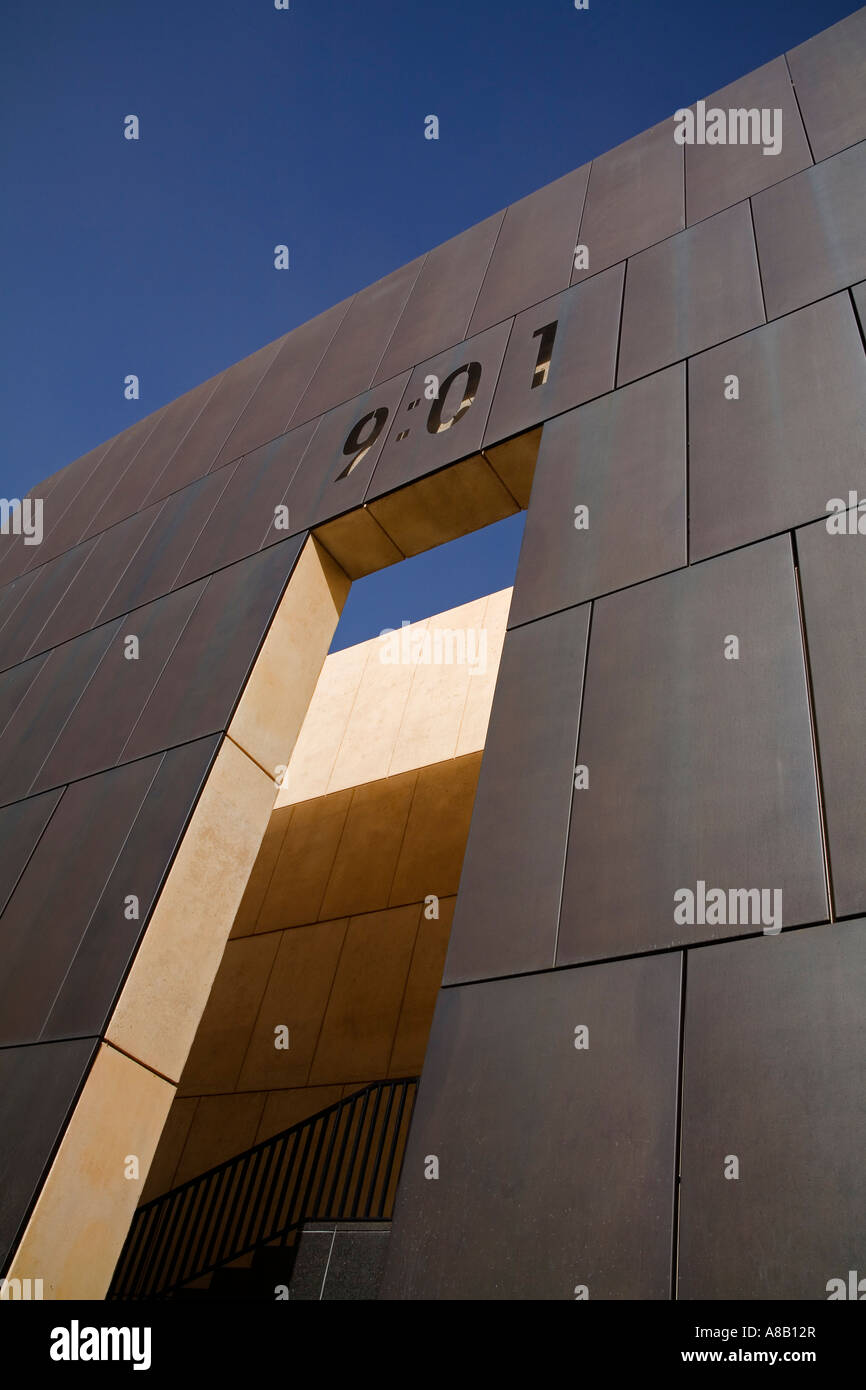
(261,126)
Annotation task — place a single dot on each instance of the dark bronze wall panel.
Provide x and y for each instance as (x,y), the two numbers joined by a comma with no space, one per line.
(775,1053)
(689,292)
(534,251)
(51,583)
(276,399)
(15,554)
(14,685)
(77,520)
(771,459)
(556,1165)
(38,1086)
(60,889)
(20,828)
(810,232)
(507,908)
(317,491)
(700,768)
(428,443)
(199,687)
(581,360)
(198,450)
(623,457)
(828,73)
(104,564)
(244,516)
(833,578)
(438,310)
(45,708)
(634,199)
(717,176)
(97,730)
(353,355)
(93,980)
(11,595)
(171,428)
(154,568)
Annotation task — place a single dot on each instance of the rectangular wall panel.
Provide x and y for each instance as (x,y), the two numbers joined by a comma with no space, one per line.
(276,399)
(60,889)
(104,564)
(350,437)
(555,1162)
(828,73)
(78,519)
(84,1000)
(155,566)
(717,176)
(198,689)
(700,768)
(833,577)
(197,453)
(634,199)
(623,459)
(38,1086)
(793,437)
(350,361)
(508,903)
(172,426)
(14,685)
(689,292)
(560,354)
(421,439)
(94,736)
(21,825)
(438,310)
(810,232)
(52,581)
(45,707)
(534,251)
(11,595)
(773,1186)
(15,554)
(244,517)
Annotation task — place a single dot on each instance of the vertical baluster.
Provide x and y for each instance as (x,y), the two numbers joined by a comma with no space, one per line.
(393,1152)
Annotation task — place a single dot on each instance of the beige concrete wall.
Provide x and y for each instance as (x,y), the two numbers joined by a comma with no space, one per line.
(341,937)
(371,718)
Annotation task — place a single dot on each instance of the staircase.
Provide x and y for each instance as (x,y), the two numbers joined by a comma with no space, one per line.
(233,1232)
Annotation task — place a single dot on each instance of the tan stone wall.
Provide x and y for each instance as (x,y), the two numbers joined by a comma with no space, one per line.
(331,940)
(370,718)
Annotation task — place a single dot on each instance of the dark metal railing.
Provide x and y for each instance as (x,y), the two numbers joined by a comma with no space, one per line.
(341,1164)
